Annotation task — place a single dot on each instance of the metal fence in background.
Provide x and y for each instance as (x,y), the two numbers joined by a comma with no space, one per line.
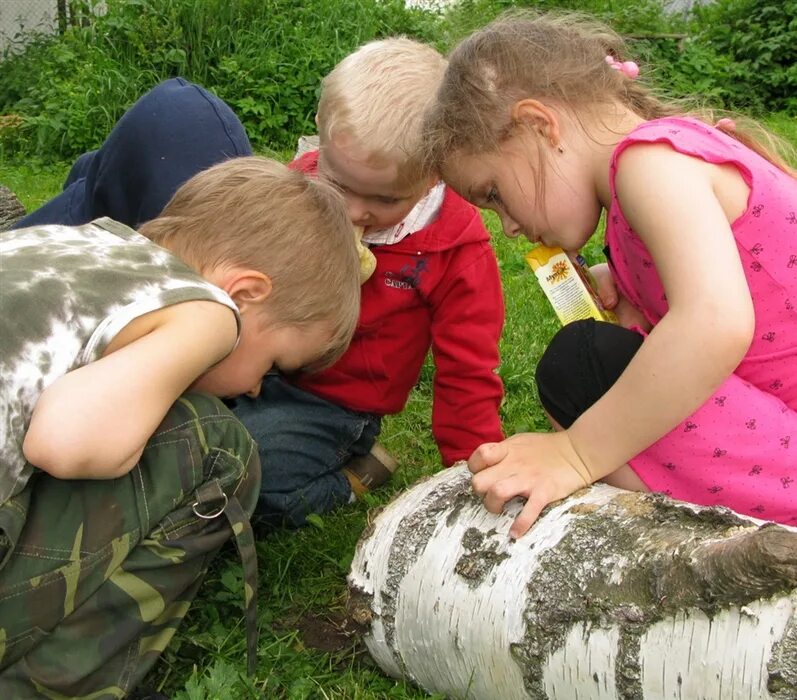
(20,19)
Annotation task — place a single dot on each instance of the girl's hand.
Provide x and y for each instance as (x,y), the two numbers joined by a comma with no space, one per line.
(540,467)
(627,314)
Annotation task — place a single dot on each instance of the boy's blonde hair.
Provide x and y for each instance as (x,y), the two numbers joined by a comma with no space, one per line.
(378,95)
(559,58)
(258,214)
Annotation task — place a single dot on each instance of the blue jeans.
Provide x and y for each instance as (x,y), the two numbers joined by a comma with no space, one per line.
(304,441)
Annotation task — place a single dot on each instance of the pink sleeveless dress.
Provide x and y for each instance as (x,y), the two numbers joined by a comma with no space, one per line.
(740,448)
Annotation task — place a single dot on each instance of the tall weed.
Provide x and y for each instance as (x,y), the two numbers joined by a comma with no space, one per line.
(265,57)
(626,16)
(757,40)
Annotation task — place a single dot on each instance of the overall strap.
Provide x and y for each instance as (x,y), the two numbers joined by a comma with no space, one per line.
(211,494)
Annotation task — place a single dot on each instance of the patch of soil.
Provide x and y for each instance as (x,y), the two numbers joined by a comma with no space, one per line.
(333,633)
(326,633)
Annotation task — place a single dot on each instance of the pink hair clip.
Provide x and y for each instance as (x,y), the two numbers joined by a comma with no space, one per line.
(628,68)
(726,124)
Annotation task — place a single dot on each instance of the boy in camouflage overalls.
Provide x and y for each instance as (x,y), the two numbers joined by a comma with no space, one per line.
(113,481)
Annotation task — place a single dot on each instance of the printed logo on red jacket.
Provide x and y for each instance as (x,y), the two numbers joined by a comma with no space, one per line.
(409,277)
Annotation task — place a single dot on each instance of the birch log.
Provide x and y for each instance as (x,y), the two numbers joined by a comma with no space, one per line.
(11,208)
(610,595)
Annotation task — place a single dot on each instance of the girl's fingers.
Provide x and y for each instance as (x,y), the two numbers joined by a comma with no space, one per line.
(483,481)
(531,511)
(607,291)
(534,466)
(487,455)
(501,491)
(629,316)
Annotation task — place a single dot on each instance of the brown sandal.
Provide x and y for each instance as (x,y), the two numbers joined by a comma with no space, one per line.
(370,471)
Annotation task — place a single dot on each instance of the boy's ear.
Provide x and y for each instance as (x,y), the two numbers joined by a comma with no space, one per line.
(539,117)
(248,288)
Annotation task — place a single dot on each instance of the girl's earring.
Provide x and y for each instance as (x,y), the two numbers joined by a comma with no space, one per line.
(560,148)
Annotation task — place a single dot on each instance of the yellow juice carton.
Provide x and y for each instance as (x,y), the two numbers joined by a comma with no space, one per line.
(568,285)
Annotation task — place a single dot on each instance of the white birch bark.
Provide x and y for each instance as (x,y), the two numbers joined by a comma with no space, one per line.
(610,595)
(11,208)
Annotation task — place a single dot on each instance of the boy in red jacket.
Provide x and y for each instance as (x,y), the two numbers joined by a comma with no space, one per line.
(436,285)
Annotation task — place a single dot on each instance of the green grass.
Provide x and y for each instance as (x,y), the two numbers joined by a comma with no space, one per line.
(785,125)
(306,647)
(32,181)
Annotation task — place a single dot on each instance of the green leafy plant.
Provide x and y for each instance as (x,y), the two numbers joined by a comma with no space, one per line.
(757,39)
(265,57)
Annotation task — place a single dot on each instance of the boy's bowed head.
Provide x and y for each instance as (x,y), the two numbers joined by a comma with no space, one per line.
(278,242)
(281,246)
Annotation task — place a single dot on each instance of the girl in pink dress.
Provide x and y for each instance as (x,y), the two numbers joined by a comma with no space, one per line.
(540,120)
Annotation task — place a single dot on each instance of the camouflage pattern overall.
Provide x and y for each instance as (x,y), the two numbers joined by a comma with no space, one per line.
(95,576)
(104,571)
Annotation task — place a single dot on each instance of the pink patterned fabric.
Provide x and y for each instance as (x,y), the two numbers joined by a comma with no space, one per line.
(740,448)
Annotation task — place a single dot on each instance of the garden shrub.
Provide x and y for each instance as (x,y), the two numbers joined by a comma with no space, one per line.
(265,57)
(757,42)
(737,54)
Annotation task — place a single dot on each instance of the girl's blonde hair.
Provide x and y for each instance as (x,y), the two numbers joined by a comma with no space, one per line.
(559,58)
(256,213)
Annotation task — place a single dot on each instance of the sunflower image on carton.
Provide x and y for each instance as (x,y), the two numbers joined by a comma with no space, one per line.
(568,285)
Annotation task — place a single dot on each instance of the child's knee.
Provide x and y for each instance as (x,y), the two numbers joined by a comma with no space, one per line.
(211,445)
(581,363)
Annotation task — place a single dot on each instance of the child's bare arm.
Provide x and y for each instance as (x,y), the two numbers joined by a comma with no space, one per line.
(93,422)
(671,201)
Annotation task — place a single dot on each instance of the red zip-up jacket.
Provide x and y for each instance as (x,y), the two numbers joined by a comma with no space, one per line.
(438,288)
